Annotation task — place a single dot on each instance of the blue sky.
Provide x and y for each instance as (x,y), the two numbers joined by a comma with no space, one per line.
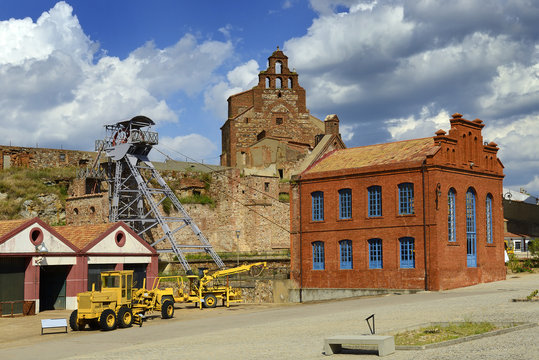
(390,70)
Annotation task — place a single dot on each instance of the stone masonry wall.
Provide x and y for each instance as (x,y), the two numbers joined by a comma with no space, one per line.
(36,158)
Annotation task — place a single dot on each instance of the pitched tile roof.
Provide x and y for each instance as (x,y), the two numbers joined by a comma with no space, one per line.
(82,235)
(372,155)
(6,226)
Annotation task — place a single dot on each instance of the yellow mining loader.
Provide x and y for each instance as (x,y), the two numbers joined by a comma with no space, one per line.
(118,304)
(206,290)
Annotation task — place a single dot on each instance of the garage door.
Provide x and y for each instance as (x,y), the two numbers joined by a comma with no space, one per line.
(12,283)
(139,274)
(94,274)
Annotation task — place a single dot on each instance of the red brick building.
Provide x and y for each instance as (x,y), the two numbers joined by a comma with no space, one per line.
(416,214)
(275,108)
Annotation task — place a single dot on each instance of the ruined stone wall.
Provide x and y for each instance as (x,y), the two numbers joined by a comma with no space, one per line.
(87,209)
(246,203)
(249,204)
(37,158)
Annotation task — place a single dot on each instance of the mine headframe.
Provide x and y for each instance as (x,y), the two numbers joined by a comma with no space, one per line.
(136,190)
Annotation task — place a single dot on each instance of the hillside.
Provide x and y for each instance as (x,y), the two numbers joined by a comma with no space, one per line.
(26,193)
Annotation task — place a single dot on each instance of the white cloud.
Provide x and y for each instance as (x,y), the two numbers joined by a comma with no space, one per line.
(50,82)
(241,78)
(421,125)
(396,70)
(192,147)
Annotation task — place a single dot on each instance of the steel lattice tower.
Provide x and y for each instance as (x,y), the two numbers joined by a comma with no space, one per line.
(136,189)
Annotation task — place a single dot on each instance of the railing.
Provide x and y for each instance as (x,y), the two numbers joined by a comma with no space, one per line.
(25,308)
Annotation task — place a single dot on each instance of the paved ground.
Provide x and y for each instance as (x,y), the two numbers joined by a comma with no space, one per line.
(293,331)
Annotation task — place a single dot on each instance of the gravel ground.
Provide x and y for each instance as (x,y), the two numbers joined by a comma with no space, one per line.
(297,331)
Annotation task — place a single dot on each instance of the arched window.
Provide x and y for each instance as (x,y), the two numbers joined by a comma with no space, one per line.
(489,218)
(345,204)
(451,223)
(375,200)
(346,254)
(375,254)
(278,83)
(407,253)
(318,255)
(267,83)
(290,83)
(406,199)
(278,67)
(471,251)
(318,205)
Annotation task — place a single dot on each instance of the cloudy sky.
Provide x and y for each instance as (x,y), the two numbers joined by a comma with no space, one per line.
(391,70)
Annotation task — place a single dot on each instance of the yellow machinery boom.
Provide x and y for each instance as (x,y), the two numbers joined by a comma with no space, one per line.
(203,290)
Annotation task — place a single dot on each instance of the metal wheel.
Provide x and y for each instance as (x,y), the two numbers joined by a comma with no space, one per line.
(125,317)
(107,320)
(210,300)
(167,309)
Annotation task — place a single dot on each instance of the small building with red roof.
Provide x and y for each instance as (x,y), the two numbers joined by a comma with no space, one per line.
(415,214)
(44,267)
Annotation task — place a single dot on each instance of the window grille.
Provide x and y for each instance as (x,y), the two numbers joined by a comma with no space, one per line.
(318,255)
(318,205)
(345,204)
(406,199)
(375,253)
(375,200)
(346,254)
(407,253)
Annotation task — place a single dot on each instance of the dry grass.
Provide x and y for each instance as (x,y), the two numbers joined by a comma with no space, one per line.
(22,184)
(440,333)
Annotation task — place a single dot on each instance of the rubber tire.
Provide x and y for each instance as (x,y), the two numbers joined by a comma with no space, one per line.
(210,301)
(73,324)
(167,309)
(125,317)
(106,315)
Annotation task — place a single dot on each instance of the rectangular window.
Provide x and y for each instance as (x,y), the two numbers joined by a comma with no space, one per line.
(318,205)
(345,204)
(489,219)
(406,199)
(407,253)
(346,254)
(451,226)
(318,255)
(375,201)
(375,253)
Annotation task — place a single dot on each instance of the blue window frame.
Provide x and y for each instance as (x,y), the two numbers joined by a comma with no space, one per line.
(345,204)
(318,255)
(318,205)
(375,200)
(489,218)
(407,253)
(471,251)
(346,254)
(406,199)
(451,222)
(375,254)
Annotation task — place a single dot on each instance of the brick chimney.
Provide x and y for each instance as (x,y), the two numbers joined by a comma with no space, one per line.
(332,124)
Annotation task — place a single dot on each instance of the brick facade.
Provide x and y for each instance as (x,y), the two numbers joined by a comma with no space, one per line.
(459,161)
(275,108)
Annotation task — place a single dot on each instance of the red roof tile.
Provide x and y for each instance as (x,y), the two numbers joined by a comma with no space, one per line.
(372,155)
(6,226)
(82,235)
